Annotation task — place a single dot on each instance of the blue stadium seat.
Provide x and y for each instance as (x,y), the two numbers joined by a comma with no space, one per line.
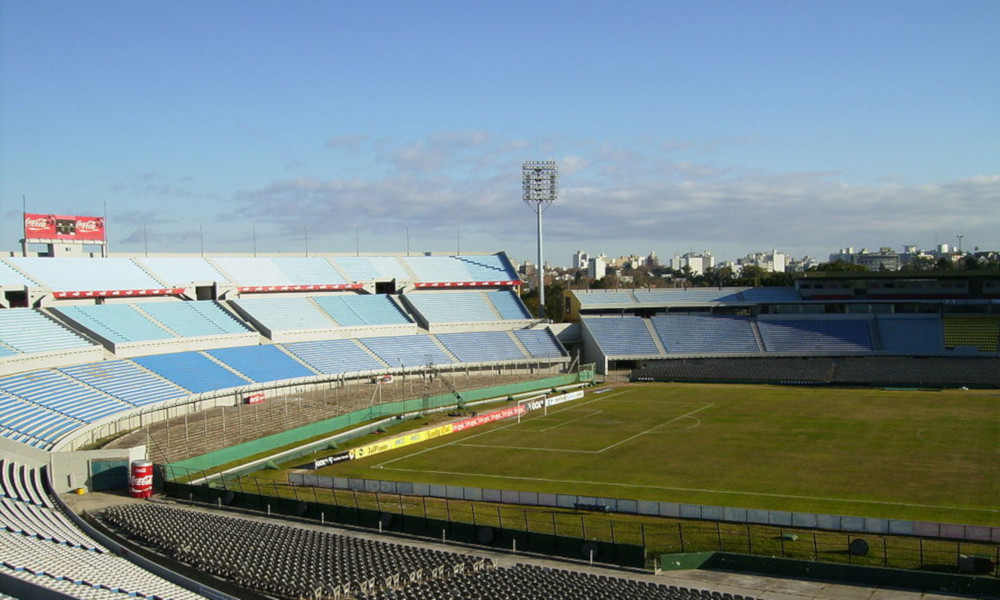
(193,318)
(262,363)
(453,307)
(815,335)
(333,357)
(79,274)
(372,268)
(357,310)
(126,381)
(702,334)
(182,271)
(406,350)
(508,305)
(62,394)
(481,346)
(117,323)
(26,330)
(540,343)
(621,336)
(192,371)
(296,313)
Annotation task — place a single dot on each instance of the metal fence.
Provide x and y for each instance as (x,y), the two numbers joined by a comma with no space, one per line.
(597,519)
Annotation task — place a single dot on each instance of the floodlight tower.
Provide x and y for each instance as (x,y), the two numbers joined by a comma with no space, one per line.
(541,187)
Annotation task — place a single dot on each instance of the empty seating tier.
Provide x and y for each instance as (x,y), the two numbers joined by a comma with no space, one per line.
(83,274)
(596,297)
(334,357)
(621,336)
(980,332)
(488,268)
(697,334)
(262,363)
(41,546)
(353,310)
(481,346)
(10,277)
(668,297)
(32,424)
(459,269)
(284,560)
(182,270)
(406,350)
(816,335)
(57,392)
(770,294)
(297,313)
(372,268)
(25,330)
(508,305)
(192,371)
(540,343)
(127,381)
(117,323)
(193,319)
(532,582)
(910,334)
(453,307)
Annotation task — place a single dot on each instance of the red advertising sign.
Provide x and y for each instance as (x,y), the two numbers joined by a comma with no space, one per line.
(497,415)
(255,398)
(63,227)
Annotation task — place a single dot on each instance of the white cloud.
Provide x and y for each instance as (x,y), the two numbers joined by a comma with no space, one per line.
(619,197)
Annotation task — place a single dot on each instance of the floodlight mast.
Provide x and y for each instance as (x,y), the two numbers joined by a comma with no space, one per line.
(540,180)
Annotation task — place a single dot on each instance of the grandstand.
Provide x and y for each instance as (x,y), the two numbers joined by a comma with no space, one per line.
(120,347)
(882,315)
(45,550)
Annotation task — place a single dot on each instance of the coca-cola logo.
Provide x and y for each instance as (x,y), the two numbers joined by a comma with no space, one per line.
(92,225)
(36,223)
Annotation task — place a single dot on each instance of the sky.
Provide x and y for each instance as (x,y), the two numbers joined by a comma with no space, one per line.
(392,126)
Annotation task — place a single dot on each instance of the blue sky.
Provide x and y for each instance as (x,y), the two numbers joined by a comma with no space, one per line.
(733,127)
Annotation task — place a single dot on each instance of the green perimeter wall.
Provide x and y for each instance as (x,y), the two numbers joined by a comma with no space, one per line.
(278,440)
(874,576)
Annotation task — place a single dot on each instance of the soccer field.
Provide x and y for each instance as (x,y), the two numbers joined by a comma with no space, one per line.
(917,455)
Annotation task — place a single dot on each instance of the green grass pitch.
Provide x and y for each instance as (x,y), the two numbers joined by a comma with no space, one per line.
(916,455)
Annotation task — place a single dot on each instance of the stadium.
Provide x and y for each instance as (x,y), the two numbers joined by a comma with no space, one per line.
(415,395)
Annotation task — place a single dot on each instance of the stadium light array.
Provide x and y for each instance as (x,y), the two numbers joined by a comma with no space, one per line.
(540,179)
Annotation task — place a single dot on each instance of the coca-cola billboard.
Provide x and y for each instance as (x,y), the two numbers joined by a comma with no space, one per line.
(63,227)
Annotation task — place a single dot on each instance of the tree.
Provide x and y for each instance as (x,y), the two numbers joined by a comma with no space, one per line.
(919,263)
(839,265)
(751,275)
(554,301)
(944,264)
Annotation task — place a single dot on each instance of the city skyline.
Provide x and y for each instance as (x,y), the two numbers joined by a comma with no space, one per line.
(732,127)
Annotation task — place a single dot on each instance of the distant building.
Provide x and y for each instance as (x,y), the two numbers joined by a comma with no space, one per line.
(581,259)
(698,263)
(886,259)
(597,267)
(775,262)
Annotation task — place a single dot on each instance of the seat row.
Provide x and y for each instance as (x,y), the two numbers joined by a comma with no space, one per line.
(40,545)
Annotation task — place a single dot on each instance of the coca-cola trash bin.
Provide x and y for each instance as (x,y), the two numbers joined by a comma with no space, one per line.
(140,481)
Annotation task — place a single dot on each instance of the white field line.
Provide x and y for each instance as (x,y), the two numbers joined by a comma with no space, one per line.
(700,490)
(475,435)
(653,429)
(602,450)
(537,419)
(557,425)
